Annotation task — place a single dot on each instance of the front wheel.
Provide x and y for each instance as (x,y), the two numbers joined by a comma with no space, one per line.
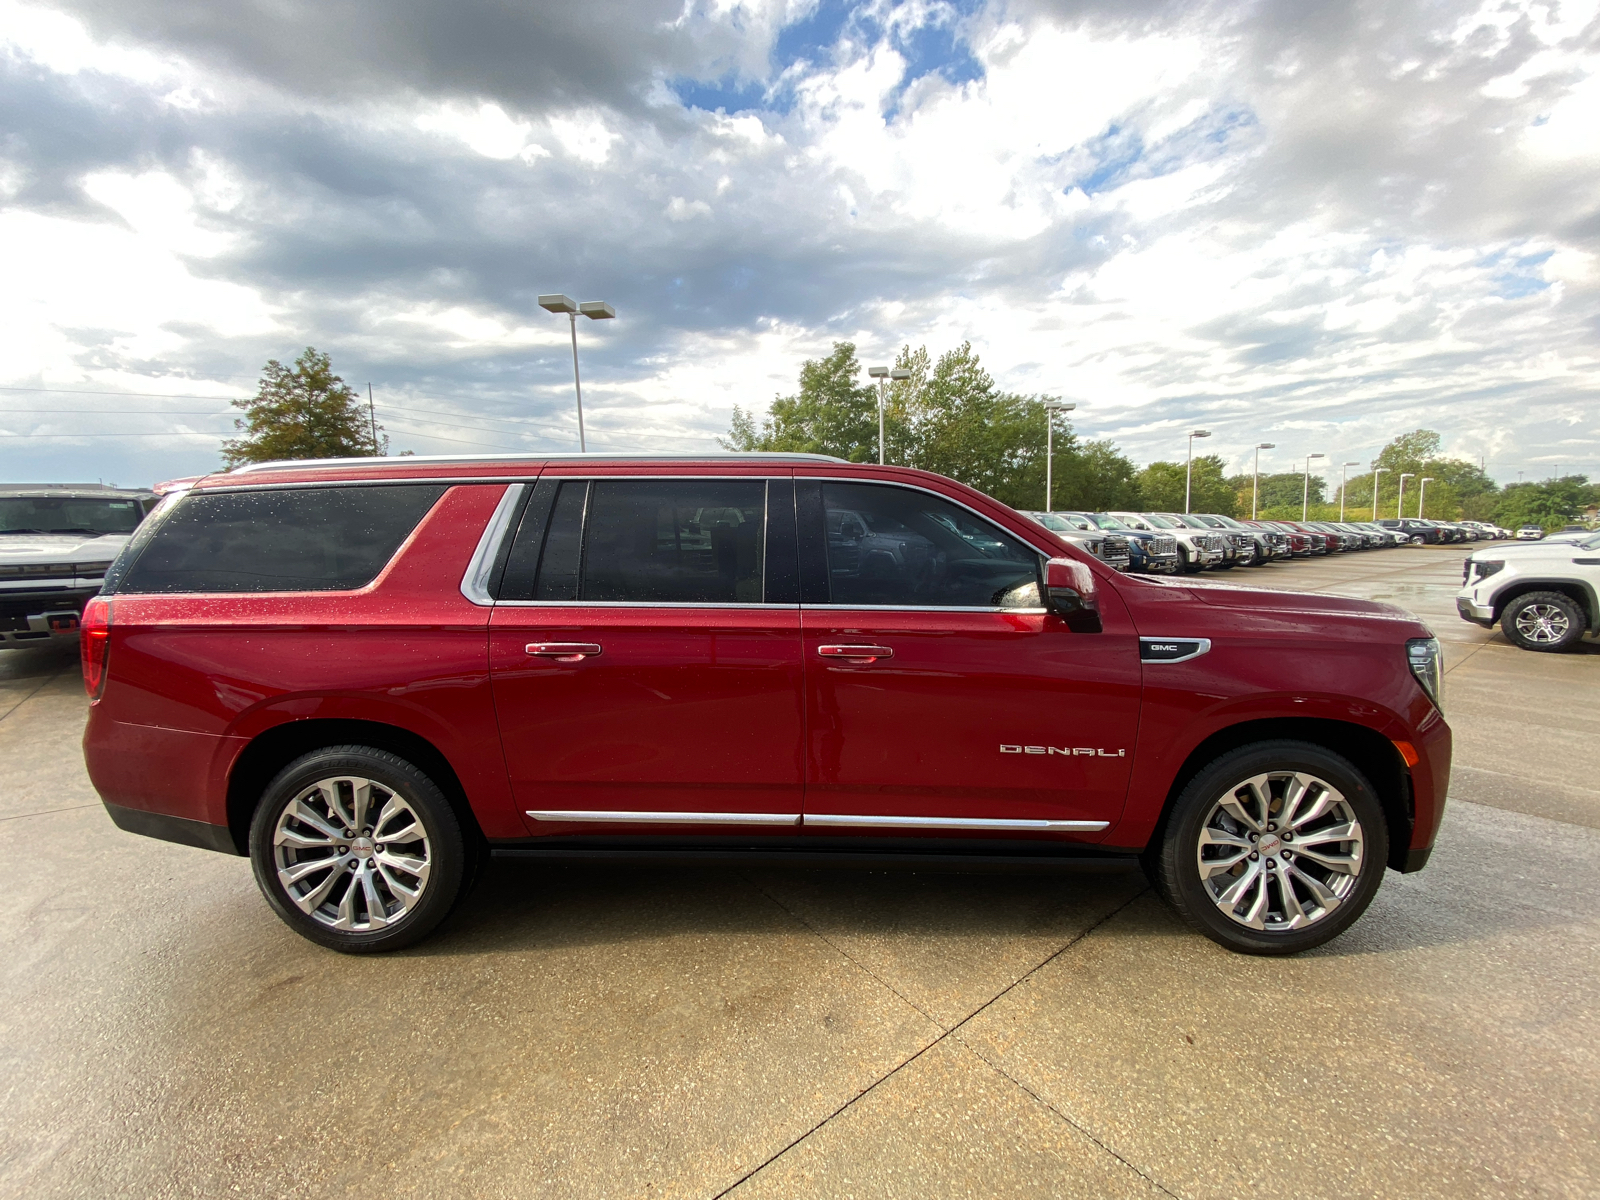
(1546,621)
(357,850)
(1273,848)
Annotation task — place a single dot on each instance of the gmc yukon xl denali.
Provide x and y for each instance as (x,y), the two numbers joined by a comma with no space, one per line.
(369,675)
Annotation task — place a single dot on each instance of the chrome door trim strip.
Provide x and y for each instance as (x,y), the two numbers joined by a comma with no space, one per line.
(638,604)
(663,818)
(932,608)
(475,583)
(852,821)
(1204,645)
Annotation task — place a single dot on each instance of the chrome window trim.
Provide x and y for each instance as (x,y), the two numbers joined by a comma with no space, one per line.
(663,818)
(854,821)
(475,582)
(933,608)
(750,456)
(1203,643)
(641,604)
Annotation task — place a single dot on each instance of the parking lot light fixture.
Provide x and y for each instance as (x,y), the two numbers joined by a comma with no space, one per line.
(1376,471)
(881,374)
(1305,493)
(1422,493)
(1255,481)
(595,310)
(1400,503)
(1051,408)
(1344,483)
(1188,470)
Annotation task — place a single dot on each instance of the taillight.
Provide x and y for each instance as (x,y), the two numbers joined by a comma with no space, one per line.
(94,645)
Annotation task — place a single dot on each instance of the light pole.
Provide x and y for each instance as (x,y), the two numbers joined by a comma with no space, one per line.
(1344,482)
(1051,408)
(595,310)
(1422,493)
(1376,471)
(1305,492)
(1188,470)
(1255,480)
(883,375)
(1400,503)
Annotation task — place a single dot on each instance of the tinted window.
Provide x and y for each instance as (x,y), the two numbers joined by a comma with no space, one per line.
(294,540)
(895,546)
(690,541)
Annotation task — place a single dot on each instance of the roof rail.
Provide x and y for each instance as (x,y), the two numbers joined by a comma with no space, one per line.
(758,455)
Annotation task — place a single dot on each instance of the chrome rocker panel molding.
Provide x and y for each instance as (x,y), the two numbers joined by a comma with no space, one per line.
(668,817)
(821,820)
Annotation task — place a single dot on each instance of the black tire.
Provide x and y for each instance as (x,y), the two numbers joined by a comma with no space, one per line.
(1549,622)
(1175,864)
(440,849)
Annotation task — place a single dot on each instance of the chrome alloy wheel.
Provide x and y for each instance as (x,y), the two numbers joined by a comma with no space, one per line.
(351,854)
(1543,623)
(1280,851)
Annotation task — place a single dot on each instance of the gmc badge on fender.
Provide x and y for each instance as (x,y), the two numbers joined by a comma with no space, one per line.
(1171,650)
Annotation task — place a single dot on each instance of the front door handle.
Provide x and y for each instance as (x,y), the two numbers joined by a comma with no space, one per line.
(564,651)
(856,654)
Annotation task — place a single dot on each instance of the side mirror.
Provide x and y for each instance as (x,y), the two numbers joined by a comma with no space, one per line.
(1072,594)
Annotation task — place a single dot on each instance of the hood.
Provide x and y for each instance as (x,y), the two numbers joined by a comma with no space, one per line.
(1263,600)
(60,547)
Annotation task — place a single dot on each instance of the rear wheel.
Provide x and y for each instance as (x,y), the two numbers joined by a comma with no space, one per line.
(1547,621)
(358,850)
(1273,848)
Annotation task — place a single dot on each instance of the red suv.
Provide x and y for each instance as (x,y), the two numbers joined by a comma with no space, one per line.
(369,675)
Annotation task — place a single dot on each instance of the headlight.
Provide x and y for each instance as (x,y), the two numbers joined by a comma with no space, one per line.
(1427,664)
(1484,568)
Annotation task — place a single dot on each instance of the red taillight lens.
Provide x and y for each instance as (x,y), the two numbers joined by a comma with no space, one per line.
(94,645)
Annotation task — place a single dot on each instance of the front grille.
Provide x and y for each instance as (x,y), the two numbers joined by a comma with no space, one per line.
(1114,550)
(1164,545)
(1210,541)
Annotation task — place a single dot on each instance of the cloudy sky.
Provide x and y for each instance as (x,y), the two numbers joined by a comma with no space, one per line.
(1315,224)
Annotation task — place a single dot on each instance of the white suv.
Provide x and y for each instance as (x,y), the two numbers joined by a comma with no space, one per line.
(1544,596)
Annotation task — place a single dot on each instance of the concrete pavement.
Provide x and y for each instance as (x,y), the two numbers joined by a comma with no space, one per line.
(595,1031)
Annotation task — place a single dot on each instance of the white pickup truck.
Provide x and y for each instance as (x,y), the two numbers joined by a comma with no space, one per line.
(1544,595)
(56,541)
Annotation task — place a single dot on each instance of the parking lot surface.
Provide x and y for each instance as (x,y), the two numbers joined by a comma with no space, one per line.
(601,1031)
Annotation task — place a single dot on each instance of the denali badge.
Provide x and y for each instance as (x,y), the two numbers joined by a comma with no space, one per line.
(1067,750)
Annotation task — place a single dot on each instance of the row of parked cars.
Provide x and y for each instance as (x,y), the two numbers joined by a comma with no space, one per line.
(1166,543)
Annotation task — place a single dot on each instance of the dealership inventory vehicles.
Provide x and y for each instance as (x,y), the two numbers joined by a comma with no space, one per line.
(367,675)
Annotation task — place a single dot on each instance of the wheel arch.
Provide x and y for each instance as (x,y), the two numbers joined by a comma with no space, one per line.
(1376,756)
(272,750)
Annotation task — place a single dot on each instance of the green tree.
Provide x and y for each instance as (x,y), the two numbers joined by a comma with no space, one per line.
(1094,477)
(833,413)
(964,427)
(1162,486)
(1549,503)
(303,412)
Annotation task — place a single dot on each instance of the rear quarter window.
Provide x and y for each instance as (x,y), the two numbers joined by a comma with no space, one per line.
(328,539)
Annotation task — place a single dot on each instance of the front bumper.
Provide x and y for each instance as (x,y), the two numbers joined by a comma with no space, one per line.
(30,629)
(1470,610)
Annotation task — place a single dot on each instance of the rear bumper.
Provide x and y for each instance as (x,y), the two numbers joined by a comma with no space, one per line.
(172,829)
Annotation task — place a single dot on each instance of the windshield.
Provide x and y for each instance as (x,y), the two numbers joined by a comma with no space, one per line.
(1062,522)
(1107,521)
(1161,522)
(68,514)
(1225,522)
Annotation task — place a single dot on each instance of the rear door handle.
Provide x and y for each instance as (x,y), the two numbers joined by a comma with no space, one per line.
(564,651)
(856,654)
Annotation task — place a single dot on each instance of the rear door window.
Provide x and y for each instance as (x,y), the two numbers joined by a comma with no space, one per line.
(648,541)
(327,539)
(898,547)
